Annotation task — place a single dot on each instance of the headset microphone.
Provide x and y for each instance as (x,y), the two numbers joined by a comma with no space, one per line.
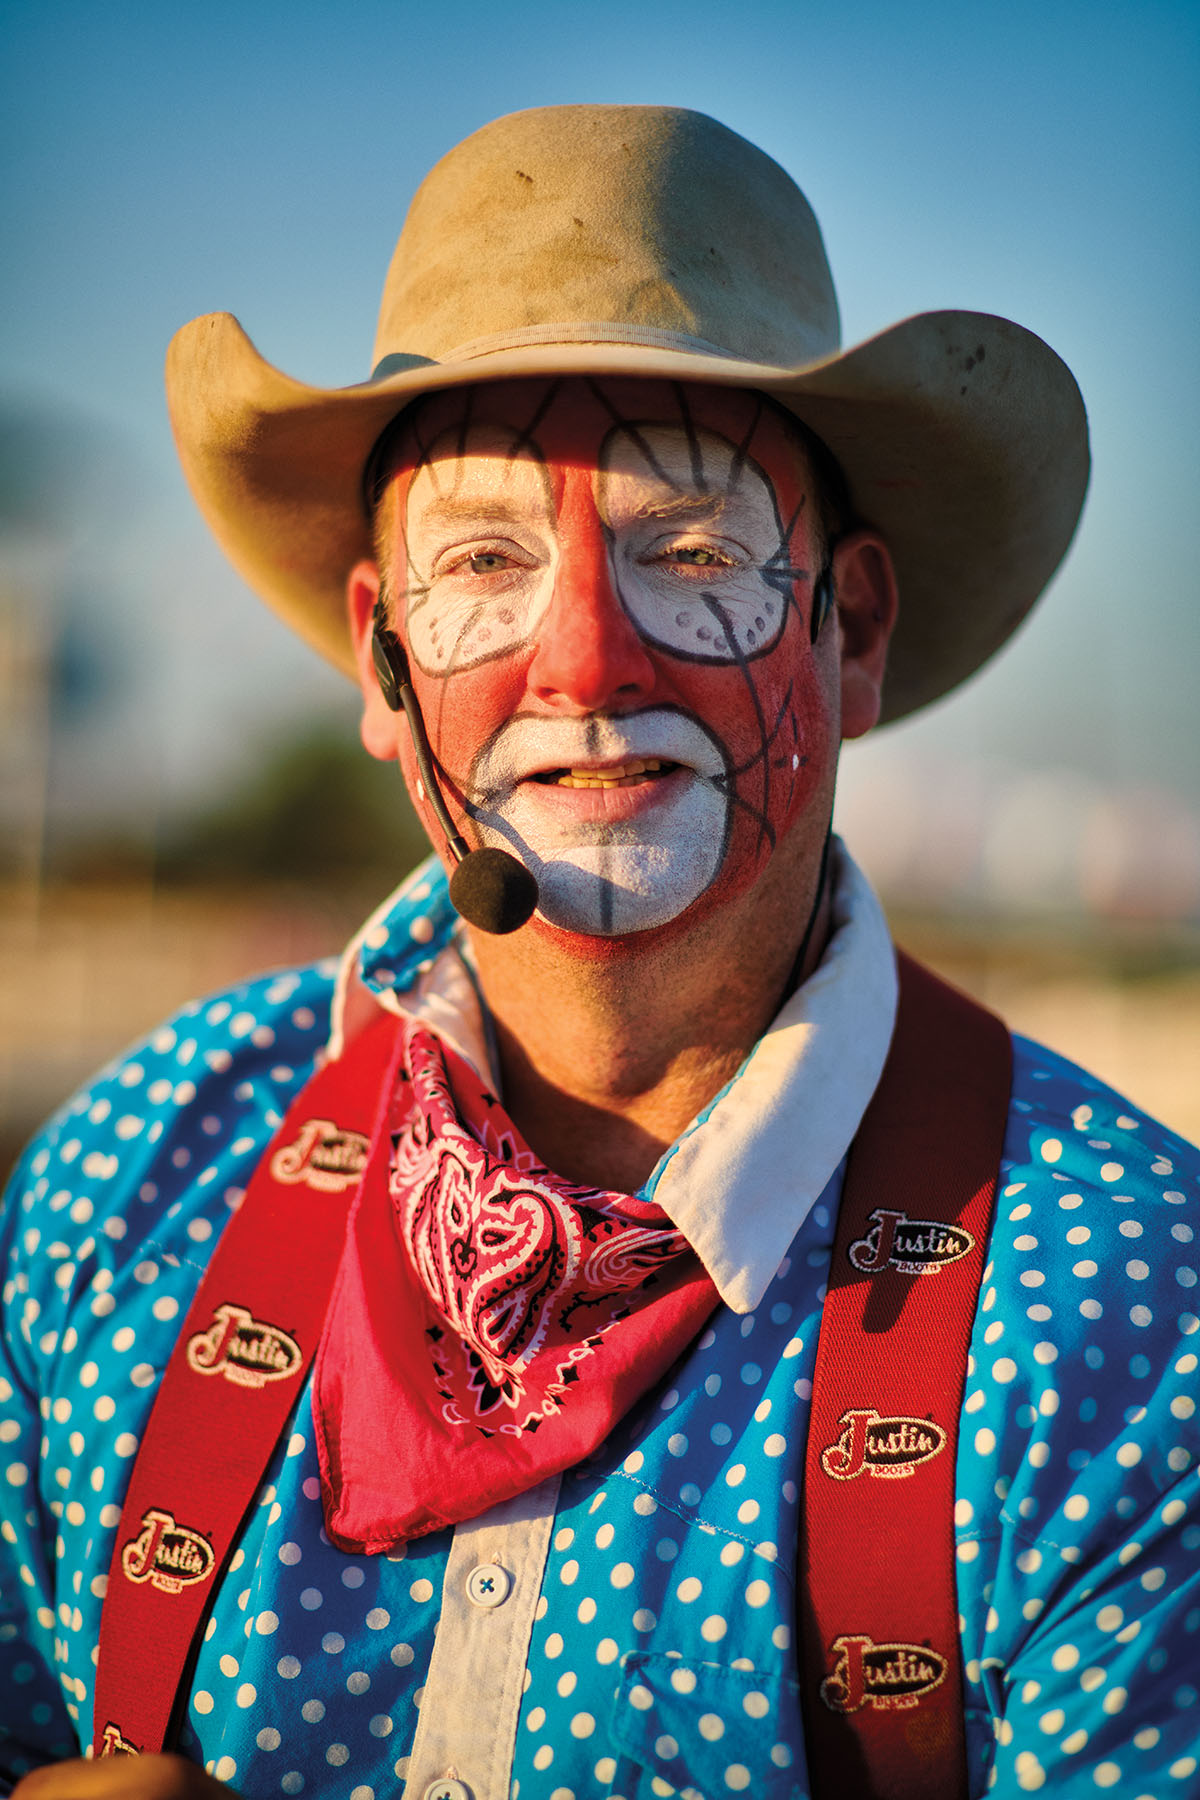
(489,888)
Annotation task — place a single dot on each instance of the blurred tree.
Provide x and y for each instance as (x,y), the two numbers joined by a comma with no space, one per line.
(317,809)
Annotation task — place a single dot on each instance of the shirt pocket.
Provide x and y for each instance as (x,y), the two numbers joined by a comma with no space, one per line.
(705,1731)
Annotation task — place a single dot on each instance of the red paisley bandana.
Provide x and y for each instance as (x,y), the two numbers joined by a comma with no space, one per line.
(490,1322)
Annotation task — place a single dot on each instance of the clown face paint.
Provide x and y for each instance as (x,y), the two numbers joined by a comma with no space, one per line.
(604,589)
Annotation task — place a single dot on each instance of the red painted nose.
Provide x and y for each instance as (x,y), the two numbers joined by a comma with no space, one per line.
(589,657)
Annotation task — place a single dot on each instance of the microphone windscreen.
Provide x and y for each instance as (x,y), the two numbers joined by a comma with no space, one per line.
(492,890)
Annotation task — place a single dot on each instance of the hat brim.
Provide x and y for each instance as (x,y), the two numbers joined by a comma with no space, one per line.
(962,436)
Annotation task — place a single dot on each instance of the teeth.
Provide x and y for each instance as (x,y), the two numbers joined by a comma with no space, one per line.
(621,775)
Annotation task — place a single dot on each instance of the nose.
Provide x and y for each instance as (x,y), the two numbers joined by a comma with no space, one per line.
(589,656)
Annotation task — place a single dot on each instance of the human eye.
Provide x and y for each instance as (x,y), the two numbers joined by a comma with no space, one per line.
(683,556)
(481,562)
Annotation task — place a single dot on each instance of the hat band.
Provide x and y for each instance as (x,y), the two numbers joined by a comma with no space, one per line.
(650,337)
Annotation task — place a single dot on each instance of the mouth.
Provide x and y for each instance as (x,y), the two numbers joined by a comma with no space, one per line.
(632,773)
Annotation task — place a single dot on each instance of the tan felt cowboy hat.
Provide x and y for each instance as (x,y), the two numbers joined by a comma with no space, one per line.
(648,240)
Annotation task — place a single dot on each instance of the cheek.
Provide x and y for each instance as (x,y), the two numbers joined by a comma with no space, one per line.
(462,712)
(776,718)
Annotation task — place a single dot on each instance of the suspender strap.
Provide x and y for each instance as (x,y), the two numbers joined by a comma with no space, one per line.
(882,1687)
(226,1394)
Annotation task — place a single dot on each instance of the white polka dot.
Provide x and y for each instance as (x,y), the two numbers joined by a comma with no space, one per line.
(1111,1171)
(421,1590)
(622,1574)
(713,1629)
(641,1697)
(202,1700)
(1106,1774)
(737,1777)
(1065,1657)
(247,1694)
(1051,1150)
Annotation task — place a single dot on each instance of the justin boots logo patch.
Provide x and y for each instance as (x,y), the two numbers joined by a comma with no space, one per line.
(914,1246)
(890,1447)
(885,1676)
(169,1556)
(322,1156)
(114,1743)
(243,1349)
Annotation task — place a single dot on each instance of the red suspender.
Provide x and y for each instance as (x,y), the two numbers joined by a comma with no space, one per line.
(879,1618)
(228,1389)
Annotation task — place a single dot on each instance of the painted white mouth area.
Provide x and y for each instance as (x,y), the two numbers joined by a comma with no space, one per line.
(607,876)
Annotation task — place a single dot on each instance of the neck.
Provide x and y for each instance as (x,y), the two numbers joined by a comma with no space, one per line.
(606,1060)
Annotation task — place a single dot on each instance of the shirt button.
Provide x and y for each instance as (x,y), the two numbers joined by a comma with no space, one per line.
(448,1788)
(488,1585)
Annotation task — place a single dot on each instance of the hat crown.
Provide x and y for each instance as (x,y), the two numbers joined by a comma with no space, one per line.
(635,224)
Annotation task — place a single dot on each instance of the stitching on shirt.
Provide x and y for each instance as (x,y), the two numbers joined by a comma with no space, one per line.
(705,1524)
(184,1262)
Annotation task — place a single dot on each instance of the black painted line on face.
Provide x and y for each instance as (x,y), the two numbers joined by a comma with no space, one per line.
(766,829)
(633,431)
(741,455)
(524,439)
(695,452)
(718,612)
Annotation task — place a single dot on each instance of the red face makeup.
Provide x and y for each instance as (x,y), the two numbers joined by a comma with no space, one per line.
(605,589)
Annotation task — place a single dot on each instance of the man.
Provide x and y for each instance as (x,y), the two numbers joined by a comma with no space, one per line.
(640,547)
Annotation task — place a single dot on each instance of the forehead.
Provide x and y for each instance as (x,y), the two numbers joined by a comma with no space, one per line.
(586,423)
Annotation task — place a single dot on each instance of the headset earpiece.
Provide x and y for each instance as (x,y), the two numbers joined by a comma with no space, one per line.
(822,601)
(391,664)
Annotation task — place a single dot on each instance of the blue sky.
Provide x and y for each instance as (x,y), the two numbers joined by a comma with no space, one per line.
(1037,161)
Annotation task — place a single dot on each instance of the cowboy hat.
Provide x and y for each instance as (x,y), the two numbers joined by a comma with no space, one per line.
(652,241)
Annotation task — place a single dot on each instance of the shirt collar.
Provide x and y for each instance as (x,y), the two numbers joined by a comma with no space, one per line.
(741,1179)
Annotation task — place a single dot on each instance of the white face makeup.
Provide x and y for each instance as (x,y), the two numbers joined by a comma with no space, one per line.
(697,544)
(481,545)
(606,875)
(697,550)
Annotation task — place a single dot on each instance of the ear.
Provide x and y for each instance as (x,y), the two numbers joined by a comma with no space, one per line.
(379,727)
(864,585)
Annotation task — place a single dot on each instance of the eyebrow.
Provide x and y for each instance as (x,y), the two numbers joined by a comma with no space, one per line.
(451,509)
(680,504)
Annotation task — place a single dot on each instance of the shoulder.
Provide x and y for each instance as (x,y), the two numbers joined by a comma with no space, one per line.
(1083,1355)
(1075,1141)
(156,1150)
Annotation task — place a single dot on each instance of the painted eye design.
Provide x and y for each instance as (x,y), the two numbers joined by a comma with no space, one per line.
(479,603)
(700,552)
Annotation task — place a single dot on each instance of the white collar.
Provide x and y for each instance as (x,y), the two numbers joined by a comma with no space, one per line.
(741,1179)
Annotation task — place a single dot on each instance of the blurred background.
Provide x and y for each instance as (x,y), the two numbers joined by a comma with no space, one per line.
(182,799)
